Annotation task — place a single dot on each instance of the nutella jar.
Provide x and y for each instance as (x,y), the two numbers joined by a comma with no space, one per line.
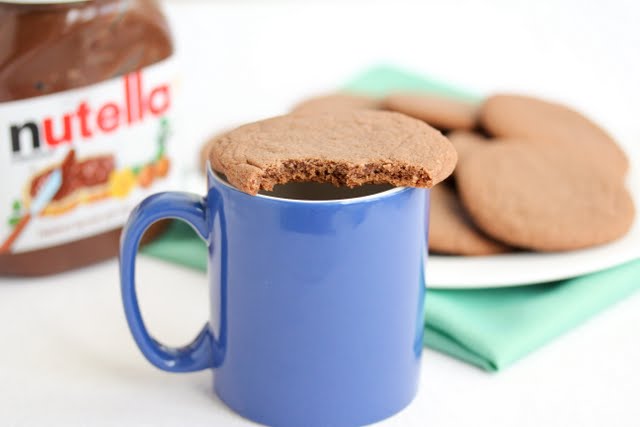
(86,127)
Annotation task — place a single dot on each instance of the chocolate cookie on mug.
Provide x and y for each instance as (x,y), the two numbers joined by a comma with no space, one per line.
(204,153)
(348,148)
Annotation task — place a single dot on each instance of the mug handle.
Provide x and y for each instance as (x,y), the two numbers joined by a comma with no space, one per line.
(200,353)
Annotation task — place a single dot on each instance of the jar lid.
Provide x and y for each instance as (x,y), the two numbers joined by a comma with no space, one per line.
(42,1)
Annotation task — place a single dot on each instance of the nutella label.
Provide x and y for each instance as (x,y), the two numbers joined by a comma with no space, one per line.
(74,164)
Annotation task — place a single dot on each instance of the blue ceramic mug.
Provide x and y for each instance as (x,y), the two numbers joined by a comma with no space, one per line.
(317,296)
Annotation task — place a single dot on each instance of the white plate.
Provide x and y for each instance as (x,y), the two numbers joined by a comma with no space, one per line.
(528,268)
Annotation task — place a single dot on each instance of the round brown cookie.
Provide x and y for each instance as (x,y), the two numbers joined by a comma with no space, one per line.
(532,196)
(441,112)
(464,141)
(523,117)
(348,148)
(451,230)
(203,155)
(337,102)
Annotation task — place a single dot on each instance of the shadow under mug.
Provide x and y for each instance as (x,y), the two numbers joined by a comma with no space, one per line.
(316,305)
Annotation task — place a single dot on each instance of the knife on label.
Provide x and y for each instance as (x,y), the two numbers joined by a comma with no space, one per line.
(46,193)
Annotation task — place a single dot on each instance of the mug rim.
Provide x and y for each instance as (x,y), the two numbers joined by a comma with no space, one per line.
(353,200)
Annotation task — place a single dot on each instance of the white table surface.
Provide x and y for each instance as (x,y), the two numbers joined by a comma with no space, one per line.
(67,358)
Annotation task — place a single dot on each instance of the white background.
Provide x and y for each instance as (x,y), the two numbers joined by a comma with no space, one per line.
(67,358)
(251,59)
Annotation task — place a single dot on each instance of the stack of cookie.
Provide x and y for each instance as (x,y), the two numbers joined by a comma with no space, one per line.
(531,174)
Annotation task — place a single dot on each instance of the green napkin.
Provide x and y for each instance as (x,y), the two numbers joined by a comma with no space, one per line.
(493,328)
(490,328)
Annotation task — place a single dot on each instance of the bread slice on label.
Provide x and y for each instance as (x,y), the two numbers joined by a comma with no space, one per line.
(341,101)
(444,113)
(534,196)
(348,148)
(538,121)
(452,232)
(84,181)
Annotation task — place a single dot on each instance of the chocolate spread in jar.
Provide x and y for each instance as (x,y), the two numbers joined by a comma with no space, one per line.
(99,56)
